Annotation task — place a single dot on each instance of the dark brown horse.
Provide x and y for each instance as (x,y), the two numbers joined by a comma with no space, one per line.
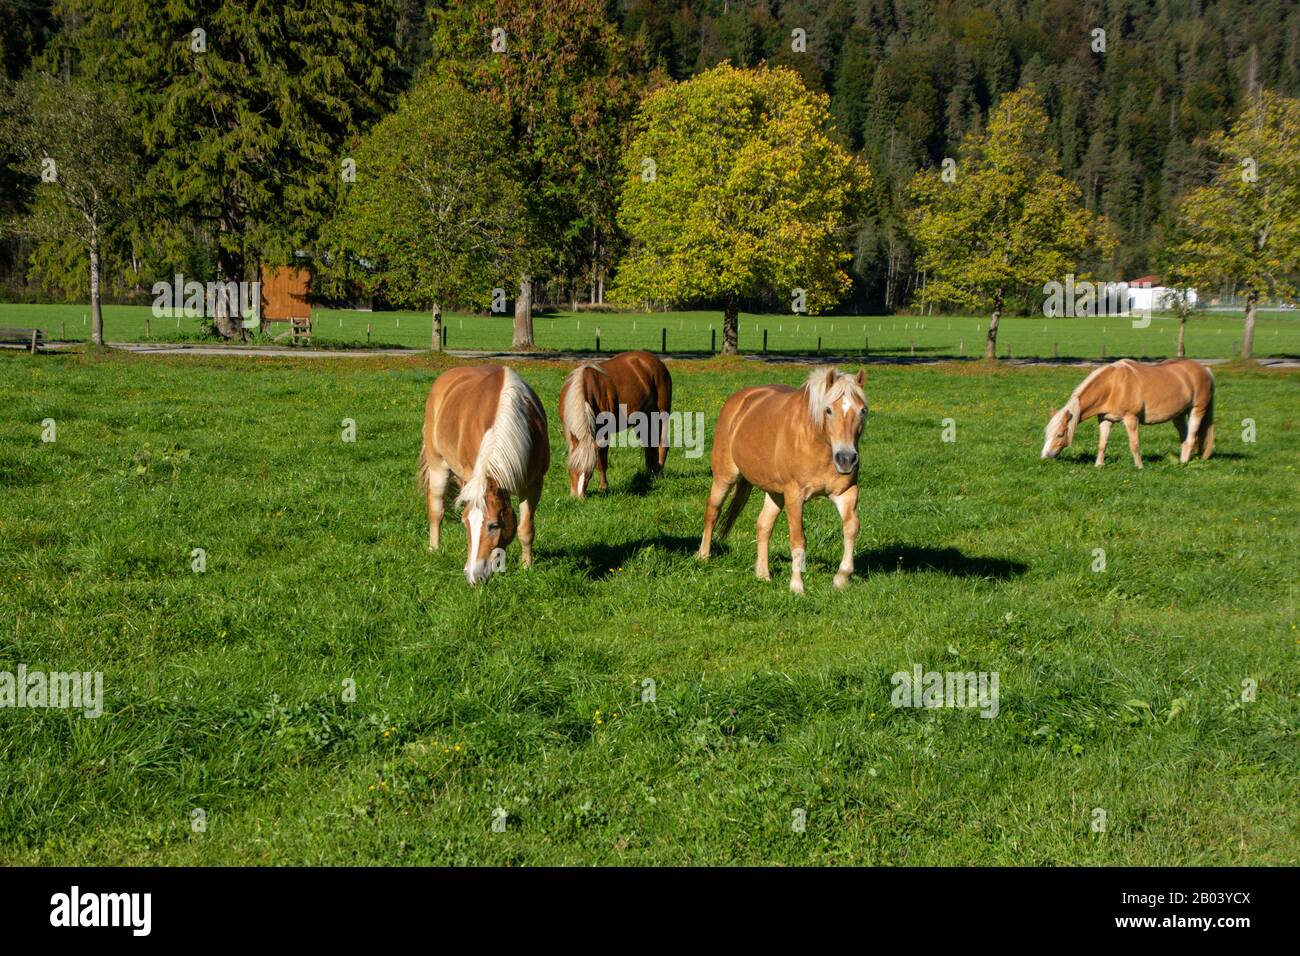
(795,444)
(600,399)
(486,426)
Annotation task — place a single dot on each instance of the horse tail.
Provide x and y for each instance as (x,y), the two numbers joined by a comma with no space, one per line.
(740,495)
(579,420)
(425,469)
(666,408)
(1205,436)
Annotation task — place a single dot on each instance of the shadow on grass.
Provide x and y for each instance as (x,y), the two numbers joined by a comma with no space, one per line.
(950,561)
(598,561)
(1115,458)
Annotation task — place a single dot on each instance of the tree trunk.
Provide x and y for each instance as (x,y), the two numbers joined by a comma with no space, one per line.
(96,310)
(523,338)
(1182,328)
(230,268)
(437,327)
(730,324)
(1248,339)
(991,347)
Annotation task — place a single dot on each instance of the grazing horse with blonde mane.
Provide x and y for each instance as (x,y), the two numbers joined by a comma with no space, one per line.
(795,444)
(486,426)
(631,385)
(1179,390)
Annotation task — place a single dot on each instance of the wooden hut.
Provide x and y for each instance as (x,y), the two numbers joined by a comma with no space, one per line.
(286,297)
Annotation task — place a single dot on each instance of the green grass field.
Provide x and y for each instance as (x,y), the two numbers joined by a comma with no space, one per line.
(1212,335)
(1120,690)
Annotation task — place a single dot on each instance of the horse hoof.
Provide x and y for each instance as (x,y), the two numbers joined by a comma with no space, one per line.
(763,576)
(842,580)
(796,587)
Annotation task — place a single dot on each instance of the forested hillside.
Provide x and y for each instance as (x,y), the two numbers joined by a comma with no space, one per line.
(1131,88)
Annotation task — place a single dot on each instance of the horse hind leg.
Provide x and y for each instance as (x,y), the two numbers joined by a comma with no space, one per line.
(1205,434)
(1186,435)
(1131,426)
(665,420)
(717,495)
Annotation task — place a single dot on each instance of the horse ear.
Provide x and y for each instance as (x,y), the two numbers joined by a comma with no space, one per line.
(831,374)
(862,376)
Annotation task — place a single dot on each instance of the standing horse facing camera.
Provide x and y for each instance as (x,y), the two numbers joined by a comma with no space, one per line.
(629,384)
(1179,390)
(795,444)
(485,425)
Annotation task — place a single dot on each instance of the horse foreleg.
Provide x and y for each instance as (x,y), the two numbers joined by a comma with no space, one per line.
(766,522)
(798,544)
(717,494)
(435,493)
(602,462)
(527,509)
(1103,435)
(847,504)
(1131,426)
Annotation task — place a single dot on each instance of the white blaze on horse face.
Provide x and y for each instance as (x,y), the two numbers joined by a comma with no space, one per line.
(1050,432)
(472,564)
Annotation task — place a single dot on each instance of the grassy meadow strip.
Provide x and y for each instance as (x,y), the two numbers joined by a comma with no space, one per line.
(326,691)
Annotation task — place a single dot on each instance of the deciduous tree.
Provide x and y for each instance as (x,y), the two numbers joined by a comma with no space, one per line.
(1243,227)
(431,217)
(1003,218)
(73,140)
(734,185)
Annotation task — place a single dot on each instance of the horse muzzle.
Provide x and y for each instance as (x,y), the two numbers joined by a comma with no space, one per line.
(846,459)
(476,572)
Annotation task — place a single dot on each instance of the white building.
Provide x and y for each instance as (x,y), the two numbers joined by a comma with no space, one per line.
(1149,294)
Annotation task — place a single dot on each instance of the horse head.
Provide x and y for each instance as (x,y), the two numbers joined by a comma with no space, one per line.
(1059,433)
(838,407)
(489,527)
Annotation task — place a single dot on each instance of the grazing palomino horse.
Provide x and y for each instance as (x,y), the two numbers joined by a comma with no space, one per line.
(485,425)
(630,385)
(795,444)
(1179,390)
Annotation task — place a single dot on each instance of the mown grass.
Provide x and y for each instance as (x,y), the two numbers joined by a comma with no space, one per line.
(1209,335)
(1120,690)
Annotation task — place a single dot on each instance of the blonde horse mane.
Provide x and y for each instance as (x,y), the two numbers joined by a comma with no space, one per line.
(824,390)
(1073,405)
(580,420)
(504,451)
